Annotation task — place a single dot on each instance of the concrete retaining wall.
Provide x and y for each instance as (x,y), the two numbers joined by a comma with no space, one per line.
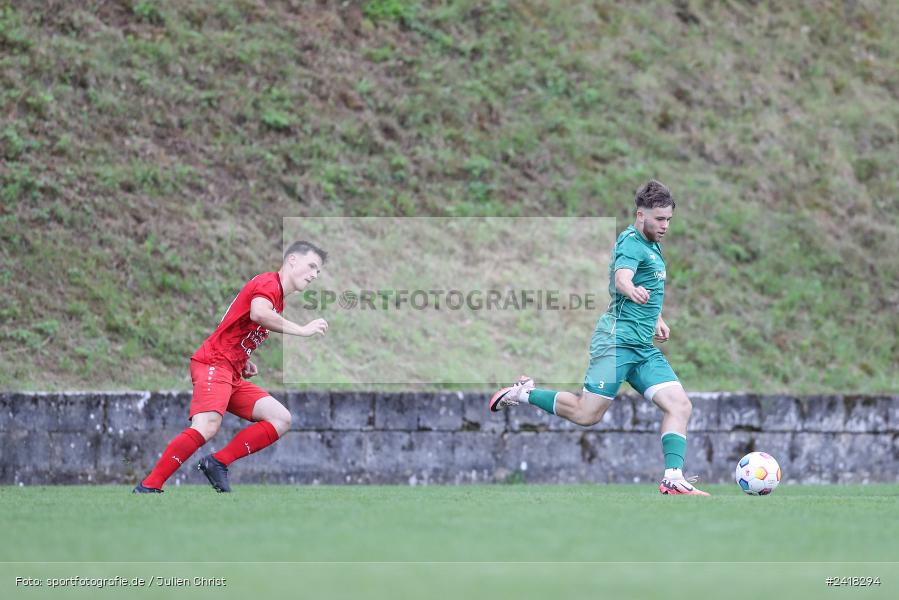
(419,438)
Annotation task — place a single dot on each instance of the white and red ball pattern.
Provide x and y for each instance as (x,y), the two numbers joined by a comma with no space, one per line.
(757,474)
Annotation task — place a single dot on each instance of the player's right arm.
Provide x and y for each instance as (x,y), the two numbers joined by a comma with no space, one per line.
(263,312)
(624,282)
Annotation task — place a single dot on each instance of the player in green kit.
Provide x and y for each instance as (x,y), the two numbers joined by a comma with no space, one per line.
(622,346)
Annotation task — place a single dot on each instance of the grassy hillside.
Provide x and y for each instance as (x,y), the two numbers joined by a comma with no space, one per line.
(150,150)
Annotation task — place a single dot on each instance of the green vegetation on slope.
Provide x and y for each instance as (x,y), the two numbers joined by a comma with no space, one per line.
(150,149)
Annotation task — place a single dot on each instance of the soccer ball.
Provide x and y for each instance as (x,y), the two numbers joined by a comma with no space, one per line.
(757,474)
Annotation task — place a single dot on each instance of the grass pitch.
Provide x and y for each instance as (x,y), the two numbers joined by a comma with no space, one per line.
(485,541)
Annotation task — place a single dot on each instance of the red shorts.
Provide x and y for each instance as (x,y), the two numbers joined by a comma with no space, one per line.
(218,388)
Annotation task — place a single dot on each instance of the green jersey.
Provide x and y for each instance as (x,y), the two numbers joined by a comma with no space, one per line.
(627,323)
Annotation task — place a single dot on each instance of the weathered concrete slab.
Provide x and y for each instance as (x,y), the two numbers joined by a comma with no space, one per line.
(397,412)
(353,411)
(477,417)
(310,410)
(410,438)
(740,413)
(440,412)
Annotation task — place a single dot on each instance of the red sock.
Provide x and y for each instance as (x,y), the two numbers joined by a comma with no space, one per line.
(247,441)
(175,454)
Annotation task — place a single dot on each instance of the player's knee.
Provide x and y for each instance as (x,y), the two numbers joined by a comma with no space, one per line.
(208,427)
(591,415)
(682,408)
(587,419)
(281,422)
(675,402)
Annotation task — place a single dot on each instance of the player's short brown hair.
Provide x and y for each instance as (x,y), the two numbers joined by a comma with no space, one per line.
(303,247)
(653,194)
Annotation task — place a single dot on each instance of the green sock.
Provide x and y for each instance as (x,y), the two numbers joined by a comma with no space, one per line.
(674,446)
(545,399)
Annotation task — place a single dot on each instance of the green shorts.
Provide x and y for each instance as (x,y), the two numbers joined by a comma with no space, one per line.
(645,368)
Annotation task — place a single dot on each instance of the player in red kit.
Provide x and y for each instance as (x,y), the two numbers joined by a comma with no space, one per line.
(219,370)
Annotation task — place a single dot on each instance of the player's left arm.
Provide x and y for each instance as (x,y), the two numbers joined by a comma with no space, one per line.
(262,312)
(663,332)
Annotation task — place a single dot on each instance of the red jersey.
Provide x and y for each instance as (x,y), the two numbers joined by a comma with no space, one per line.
(237,336)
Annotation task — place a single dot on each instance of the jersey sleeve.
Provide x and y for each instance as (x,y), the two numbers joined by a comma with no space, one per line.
(267,289)
(627,255)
